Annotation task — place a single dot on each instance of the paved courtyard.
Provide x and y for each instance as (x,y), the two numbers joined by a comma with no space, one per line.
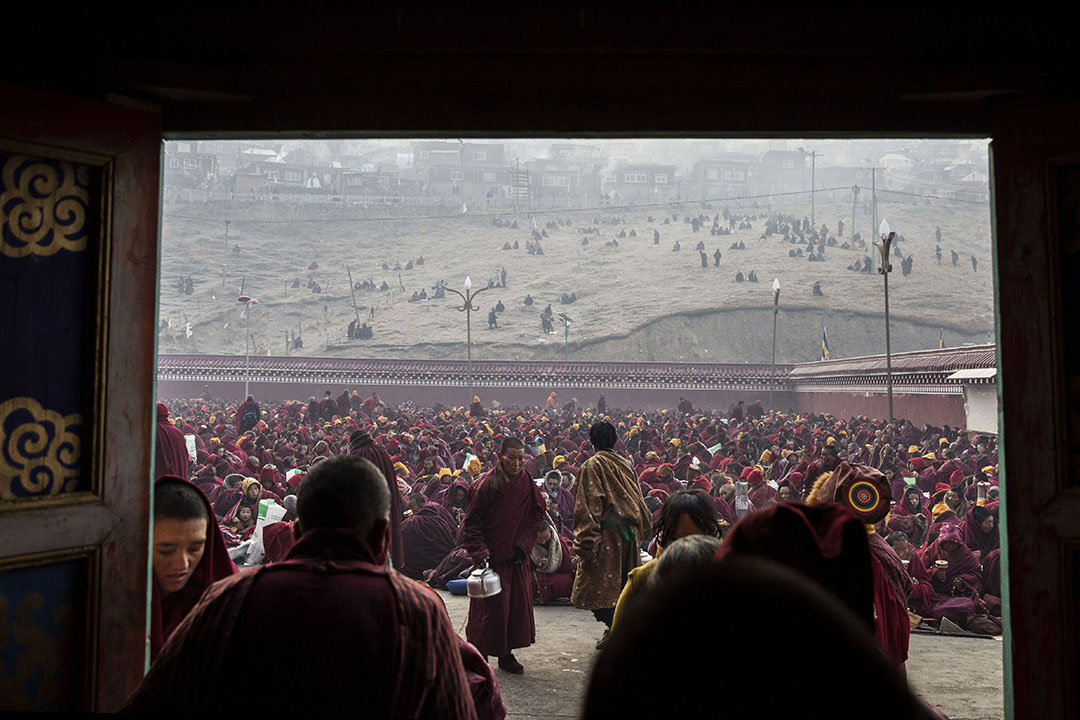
(961,676)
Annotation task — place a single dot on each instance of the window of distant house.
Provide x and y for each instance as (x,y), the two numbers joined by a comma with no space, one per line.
(661,177)
(183,147)
(190,164)
(738,175)
(729,174)
(788,164)
(610,178)
(455,175)
(732,192)
(479,155)
(292,176)
(272,174)
(636,176)
(174,162)
(425,154)
(489,177)
(712,174)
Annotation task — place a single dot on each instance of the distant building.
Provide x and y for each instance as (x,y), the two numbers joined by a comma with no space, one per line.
(481,169)
(641,183)
(782,171)
(281,177)
(187,167)
(717,178)
(572,171)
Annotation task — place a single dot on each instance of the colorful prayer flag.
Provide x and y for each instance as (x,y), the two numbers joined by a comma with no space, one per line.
(824,344)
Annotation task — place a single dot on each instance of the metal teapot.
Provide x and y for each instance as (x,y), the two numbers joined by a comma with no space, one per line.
(483,582)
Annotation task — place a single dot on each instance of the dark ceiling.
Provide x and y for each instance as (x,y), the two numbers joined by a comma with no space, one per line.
(322,70)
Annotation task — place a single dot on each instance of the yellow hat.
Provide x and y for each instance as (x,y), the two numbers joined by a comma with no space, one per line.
(938,509)
(676,442)
(443,472)
(766,456)
(930,456)
(476,398)
(912,449)
(831,441)
(943,441)
(988,469)
(400,467)
(215,441)
(473,466)
(558,459)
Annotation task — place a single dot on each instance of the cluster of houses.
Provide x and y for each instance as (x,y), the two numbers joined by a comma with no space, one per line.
(567,174)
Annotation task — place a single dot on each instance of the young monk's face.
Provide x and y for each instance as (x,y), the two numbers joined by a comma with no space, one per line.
(178,547)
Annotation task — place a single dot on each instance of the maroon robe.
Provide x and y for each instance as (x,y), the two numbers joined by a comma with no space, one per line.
(167,611)
(402,643)
(501,522)
(171,454)
(366,448)
(428,538)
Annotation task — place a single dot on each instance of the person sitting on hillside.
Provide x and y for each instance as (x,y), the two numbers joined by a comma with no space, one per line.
(528,301)
(415,297)
(440,293)
(734,246)
(676,247)
(423,294)
(384,287)
(817,289)
(752,277)
(739,276)
(409,265)
(506,246)
(420,260)
(499,307)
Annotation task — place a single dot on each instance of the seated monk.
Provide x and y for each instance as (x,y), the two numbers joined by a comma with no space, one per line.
(552,566)
(427,535)
(403,643)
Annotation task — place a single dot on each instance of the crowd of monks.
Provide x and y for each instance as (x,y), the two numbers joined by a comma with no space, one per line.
(942,526)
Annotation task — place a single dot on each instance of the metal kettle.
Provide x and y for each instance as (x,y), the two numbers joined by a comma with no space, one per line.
(483,582)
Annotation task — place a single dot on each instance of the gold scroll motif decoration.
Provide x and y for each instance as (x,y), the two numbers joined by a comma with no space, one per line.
(39,450)
(39,653)
(43,206)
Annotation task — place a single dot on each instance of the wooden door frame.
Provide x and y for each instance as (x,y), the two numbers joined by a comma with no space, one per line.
(114,516)
(1041,510)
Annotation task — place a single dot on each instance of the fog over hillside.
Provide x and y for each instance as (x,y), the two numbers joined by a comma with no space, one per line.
(606,213)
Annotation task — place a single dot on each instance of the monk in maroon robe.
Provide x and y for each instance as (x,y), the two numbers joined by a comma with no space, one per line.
(363,445)
(506,511)
(402,644)
(428,535)
(171,455)
(188,555)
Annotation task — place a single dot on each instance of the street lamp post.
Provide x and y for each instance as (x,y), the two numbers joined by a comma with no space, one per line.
(468,308)
(886,267)
(775,311)
(566,335)
(247,339)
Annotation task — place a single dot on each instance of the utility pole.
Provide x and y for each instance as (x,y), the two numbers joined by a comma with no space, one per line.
(873,208)
(461,159)
(813,186)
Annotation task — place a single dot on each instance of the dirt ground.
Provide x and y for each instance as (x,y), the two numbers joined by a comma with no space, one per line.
(960,676)
(620,290)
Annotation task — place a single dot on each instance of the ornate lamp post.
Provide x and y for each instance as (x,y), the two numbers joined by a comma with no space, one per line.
(247,339)
(468,308)
(775,310)
(886,267)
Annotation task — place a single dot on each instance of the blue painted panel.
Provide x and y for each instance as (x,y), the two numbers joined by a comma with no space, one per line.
(43,637)
(49,251)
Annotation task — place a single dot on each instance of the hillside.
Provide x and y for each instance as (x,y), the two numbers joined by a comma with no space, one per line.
(638,301)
